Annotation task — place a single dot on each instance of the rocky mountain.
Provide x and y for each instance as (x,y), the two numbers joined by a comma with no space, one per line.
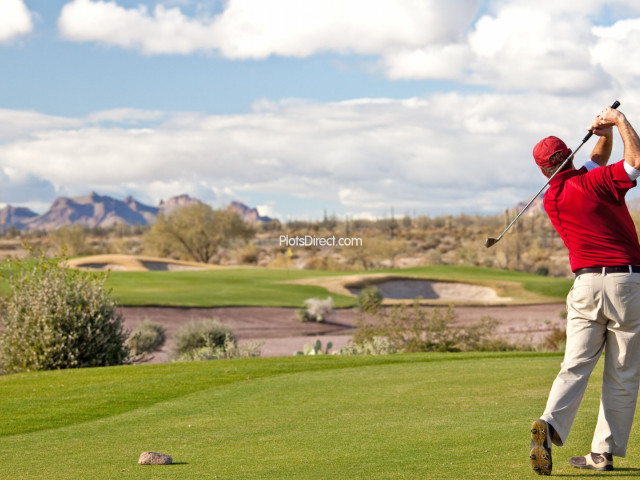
(11,216)
(537,206)
(91,210)
(247,214)
(147,212)
(177,202)
(96,210)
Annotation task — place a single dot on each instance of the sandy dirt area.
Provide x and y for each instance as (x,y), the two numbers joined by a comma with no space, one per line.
(283,334)
(410,289)
(397,289)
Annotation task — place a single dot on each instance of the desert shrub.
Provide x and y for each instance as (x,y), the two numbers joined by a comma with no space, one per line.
(56,317)
(197,334)
(556,340)
(315,349)
(147,338)
(316,310)
(249,253)
(228,349)
(409,328)
(372,346)
(370,299)
(324,262)
(281,261)
(542,270)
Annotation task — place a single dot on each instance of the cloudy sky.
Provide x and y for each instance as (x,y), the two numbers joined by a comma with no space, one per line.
(351,107)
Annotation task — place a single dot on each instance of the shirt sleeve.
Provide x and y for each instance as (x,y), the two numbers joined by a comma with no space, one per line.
(609,182)
(633,173)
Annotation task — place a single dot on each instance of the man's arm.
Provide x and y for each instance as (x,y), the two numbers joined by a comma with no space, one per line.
(602,151)
(610,117)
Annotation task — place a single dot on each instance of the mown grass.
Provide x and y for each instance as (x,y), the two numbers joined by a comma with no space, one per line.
(436,416)
(266,287)
(219,288)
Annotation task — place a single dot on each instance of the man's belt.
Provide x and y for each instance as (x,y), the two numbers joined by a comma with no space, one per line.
(607,270)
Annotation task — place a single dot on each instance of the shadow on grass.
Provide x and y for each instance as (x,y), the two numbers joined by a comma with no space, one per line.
(617,472)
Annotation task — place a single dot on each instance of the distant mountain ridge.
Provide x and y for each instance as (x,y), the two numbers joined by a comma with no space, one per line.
(248,214)
(96,210)
(16,216)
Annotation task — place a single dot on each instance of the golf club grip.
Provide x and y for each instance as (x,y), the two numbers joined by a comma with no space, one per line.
(614,105)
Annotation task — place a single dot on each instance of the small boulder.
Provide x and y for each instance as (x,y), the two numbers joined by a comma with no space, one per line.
(153,458)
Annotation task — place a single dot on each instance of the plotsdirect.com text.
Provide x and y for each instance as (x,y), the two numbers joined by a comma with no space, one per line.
(313,241)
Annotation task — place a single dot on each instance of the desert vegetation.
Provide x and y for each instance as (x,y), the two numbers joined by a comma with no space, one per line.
(147,338)
(208,339)
(409,329)
(199,233)
(55,317)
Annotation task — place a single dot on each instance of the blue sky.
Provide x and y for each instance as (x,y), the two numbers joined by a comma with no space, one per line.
(301,106)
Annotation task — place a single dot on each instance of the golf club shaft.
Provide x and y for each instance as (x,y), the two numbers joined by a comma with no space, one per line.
(615,104)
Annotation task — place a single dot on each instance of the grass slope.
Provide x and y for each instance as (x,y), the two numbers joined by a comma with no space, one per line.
(440,416)
(264,287)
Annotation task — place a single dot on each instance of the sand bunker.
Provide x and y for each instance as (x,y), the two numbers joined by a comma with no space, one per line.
(396,289)
(406,289)
(134,263)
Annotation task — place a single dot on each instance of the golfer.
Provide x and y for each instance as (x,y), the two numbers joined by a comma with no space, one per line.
(587,208)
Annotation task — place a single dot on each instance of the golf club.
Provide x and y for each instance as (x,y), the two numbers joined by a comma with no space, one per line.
(492,241)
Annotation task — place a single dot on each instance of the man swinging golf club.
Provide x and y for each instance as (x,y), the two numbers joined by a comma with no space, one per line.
(587,208)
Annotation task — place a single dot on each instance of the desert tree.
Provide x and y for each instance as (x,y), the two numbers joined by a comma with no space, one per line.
(195,232)
(70,239)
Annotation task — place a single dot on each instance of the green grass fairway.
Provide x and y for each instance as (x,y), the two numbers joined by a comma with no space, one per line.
(219,288)
(263,287)
(421,416)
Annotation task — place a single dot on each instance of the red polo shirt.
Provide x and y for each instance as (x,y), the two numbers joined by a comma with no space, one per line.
(589,212)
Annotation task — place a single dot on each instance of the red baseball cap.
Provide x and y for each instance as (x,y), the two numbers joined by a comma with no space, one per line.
(546,148)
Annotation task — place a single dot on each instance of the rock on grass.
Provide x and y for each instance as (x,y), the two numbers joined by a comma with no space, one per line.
(153,458)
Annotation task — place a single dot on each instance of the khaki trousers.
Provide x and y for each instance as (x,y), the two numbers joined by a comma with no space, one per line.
(603,314)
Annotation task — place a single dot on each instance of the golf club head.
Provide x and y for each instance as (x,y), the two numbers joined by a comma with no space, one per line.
(491,242)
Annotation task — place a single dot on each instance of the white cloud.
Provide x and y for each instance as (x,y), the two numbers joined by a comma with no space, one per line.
(617,51)
(17,124)
(442,61)
(167,30)
(258,28)
(524,47)
(268,211)
(550,47)
(15,20)
(442,153)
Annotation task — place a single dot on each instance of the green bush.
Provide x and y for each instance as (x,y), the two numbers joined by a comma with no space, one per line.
(405,328)
(147,338)
(370,299)
(372,346)
(56,317)
(542,270)
(205,333)
(229,349)
(556,340)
